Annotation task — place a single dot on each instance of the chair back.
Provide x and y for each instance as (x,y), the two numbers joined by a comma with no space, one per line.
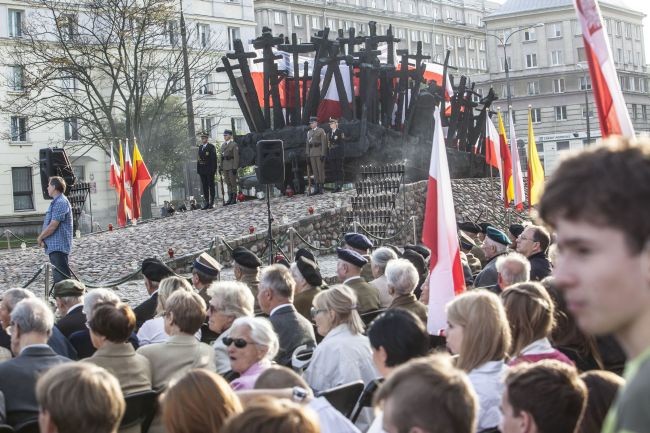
(4,428)
(369,316)
(140,410)
(365,399)
(301,357)
(28,427)
(344,397)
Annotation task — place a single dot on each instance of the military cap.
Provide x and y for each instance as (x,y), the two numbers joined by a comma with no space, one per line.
(469,227)
(227,132)
(358,241)
(155,270)
(334,119)
(351,257)
(204,134)
(313,119)
(516,229)
(310,271)
(68,288)
(420,249)
(484,226)
(417,260)
(207,264)
(399,251)
(304,252)
(497,236)
(466,242)
(246,258)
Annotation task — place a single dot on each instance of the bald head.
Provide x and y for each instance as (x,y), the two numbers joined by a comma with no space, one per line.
(512,268)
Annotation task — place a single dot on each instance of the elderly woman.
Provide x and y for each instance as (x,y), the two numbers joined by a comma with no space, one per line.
(153,330)
(402,278)
(379,259)
(308,279)
(110,327)
(252,345)
(344,355)
(80,340)
(229,301)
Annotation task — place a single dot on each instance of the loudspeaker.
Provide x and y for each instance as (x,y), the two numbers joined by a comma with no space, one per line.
(54,162)
(270,161)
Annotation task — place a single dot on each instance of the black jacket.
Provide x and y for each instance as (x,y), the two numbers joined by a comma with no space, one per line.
(540,266)
(335,145)
(206,162)
(74,321)
(146,310)
(293,331)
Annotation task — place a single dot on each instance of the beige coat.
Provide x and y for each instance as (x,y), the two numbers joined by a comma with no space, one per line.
(133,371)
(229,155)
(316,142)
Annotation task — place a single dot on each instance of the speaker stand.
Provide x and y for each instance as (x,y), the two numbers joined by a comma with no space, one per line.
(270,242)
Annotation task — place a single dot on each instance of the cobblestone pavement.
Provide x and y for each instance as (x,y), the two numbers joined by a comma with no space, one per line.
(108,256)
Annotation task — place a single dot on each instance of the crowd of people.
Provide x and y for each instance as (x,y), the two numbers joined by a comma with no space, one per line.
(538,342)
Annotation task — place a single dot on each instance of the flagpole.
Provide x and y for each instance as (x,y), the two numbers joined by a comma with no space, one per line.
(487,118)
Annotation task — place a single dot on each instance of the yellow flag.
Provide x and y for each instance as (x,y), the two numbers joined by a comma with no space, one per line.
(535,169)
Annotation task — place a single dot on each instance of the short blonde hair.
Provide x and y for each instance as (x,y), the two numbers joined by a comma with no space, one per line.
(99,404)
(235,298)
(340,299)
(187,310)
(168,286)
(486,333)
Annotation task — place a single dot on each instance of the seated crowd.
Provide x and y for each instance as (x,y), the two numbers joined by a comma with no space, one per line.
(535,345)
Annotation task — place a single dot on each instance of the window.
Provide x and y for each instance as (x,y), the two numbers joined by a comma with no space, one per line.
(633,111)
(412,7)
(558,85)
(584,112)
(438,40)
(581,54)
(529,35)
(461,62)
(436,13)
(16,79)
(331,23)
(618,28)
(400,33)
(277,18)
(315,22)
(555,30)
(414,35)
(297,20)
(585,83)
(619,55)
(399,6)
(563,145)
(426,37)
(233,33)
(637,32)
(172,32)
(628,56)
(577,28)
(502,63)
(79,172)
(239,124)
(205,88)
(637,59)
(560,113)
(481,45)
(472,44)
(533,87)
(483,64)
(556,57)
(459,16)
(448,40)
(15,23)
(206,125)
(18,128)
(203,33)
(536,115)
(628,30)
(461,42)
(71,129)
(21,178)
(531,60)
(70,83)
(479,22)
(644,112)
(67,25)
(472,63)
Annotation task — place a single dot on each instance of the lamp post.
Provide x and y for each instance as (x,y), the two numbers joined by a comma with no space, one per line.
(585,70)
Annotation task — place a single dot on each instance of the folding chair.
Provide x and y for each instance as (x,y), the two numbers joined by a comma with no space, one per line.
(365,399)
(344,397)
(369,316)
(140,410)
(6,429)
(28,427)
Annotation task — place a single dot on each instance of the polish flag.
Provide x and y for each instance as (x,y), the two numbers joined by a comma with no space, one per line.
(122,211)
(439,234)
(115,174)
(128,187)
(434,72)
(612,111)
(508,186)
(518,177)
(493,152)
(330,106)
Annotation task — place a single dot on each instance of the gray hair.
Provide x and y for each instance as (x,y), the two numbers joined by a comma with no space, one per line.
(33,315)
(70,301)
(14,296)
(402,276)
(513,268)
(96,296)
(234,298)
(278,278)
(262,333)
(381,256)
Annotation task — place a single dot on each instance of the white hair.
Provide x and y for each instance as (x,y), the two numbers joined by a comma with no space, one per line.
(402,276)
(513,268)
(381,256)
(94,297)
(262,333)
(33,315)
(234,298)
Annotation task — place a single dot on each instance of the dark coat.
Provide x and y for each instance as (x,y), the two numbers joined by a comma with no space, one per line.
(74,321)
(293,331)
(410,303)
(336,150)
(367,295)
(146,310)
(206,162)
(540,266)
(83,345)
(18,381)
(57,342)
(489,276)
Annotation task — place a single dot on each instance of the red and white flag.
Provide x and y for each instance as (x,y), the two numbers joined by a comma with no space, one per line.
(612,111)
(439,234)
(517,175)
(330,105)
(493,152)
(435,72)
(128,187)
(115,175)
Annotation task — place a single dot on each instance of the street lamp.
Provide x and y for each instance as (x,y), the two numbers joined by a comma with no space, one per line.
(585,70)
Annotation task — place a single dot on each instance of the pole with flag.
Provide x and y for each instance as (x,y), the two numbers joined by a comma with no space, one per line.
(127,181)
(439,234)
(493,153)
(535,169)
(508,185)
(140,179)
(121,201)
(612,111)
(517,175)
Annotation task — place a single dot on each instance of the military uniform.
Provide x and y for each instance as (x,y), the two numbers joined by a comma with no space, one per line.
(229,165)
(206,167)
(335,153)
(315,151)
(249,265)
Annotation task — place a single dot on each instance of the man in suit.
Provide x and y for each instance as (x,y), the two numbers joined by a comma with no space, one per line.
(336,153)
(362,245)
(348,271)
(275,297)
(206,167)
(32,322)
(495,244)
(316,151)
(246,267)
(533,243)
(229,165)
(153,271)
(68,296)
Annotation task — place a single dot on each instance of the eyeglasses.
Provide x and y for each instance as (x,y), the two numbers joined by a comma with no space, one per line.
(240,343)
(212,309)
(314,311)
(522,238)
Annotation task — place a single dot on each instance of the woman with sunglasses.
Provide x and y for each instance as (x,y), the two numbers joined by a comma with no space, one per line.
(252,345)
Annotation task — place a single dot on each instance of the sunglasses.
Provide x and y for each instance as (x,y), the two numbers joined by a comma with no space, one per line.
(240,343)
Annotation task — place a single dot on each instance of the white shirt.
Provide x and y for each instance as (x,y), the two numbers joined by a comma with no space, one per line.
(381,284)
(153,331)
(541,346)
(221,358)
(487,380)
(330,419)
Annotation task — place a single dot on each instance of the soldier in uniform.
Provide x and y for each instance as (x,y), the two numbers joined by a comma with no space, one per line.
(206,167)
(348,271)
(335,153)
(495,244)
(247,270)
(229,165)
(361,244)
(316,150)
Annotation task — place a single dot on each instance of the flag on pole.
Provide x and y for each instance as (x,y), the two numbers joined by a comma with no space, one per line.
(127,180)
(493,152)
(439,234)
(517,175)
(115,173)
(121,201)
(140,178)
(330,105)
(535,169)
(508,185)
(612,111)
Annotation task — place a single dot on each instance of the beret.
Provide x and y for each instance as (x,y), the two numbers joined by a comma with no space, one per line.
(466,242)
(497,236)
(484,226)
(399,251)
(351,257)
(304,252)
(417,260)
(68,288)
(310,271)
(207,264)
(469,227)
(155,270)
(358,241)
(516,229)
(246,258)
(313,119)
(420,249)
(227,132)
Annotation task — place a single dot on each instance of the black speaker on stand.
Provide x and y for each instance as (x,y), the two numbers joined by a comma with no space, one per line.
(54,162)
(270,171)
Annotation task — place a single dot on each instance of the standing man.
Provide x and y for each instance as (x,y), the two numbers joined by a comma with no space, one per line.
(495,244)
(316,148)
(56,236)
(206,167)
(229,165)
(533,243)
(336,152)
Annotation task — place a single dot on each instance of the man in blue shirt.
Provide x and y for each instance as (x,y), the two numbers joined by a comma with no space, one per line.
(56,236)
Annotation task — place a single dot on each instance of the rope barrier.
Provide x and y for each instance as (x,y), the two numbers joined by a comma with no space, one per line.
(33,278)
(379,238)
(7,231)
(314,247)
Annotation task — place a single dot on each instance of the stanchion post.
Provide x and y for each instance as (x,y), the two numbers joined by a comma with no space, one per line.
(291,243)
(355,224)
(415,230)
(7,234)
(47,271)
(217,248)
